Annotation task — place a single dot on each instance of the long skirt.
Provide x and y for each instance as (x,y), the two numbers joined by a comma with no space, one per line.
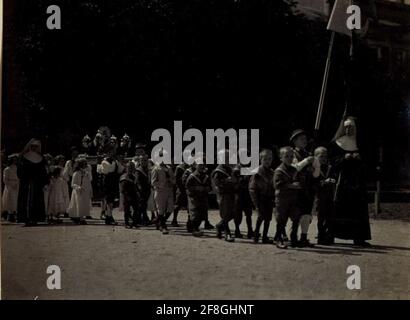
(9,199)
(80,204)
(31,206)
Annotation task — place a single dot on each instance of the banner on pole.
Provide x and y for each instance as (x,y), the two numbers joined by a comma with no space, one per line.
(339,16)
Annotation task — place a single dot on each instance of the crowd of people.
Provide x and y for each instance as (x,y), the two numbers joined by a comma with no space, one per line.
(41,188)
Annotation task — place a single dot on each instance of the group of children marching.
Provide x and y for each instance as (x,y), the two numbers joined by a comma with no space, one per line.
(142,187)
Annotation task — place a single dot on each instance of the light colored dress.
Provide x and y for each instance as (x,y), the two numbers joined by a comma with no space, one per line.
(58,199)
(11,189)
(80,204)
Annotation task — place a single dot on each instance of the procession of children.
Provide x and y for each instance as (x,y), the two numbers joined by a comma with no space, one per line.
(40,188)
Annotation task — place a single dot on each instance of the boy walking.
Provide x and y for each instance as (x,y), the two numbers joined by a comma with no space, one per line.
(303,161)
(325,186)
(130,197)
(287,190)
(143,186)
(111,169)
(198,186)
(180,193)
(163,181)
(263,195)
(226,184)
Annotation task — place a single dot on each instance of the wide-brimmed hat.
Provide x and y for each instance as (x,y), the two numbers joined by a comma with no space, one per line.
(296,133)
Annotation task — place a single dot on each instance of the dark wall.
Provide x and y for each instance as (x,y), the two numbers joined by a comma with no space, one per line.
(138,65)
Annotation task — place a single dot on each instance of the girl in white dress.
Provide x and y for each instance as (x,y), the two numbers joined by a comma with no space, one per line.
(11,189)
(58,199)
(80,204)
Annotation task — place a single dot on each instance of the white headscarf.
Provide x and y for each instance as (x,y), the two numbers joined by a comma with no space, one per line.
(33,156)
(347,143)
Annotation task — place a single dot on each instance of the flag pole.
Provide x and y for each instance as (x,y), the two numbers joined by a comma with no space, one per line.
(324,83)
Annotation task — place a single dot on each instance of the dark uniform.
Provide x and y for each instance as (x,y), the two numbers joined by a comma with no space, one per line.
(243,205)
(307,197)
(111,170)
(263,196)
(198,186)
(325,187)
(184,179)
(111,182)
(227,189)
(144,190)
(180,193)
(287,201)
(128,188)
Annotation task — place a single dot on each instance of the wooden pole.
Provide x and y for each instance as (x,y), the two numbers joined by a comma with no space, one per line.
(324,83)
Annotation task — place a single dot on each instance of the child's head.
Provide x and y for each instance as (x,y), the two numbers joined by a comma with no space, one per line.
(321,155)
(48,158)
(191,161)
(12,159)
(286,155)
(130,167)
(125,141)
(299,139)
(160,157)
(56,172)
(59,160)
(113,140)
(151,164)
(86,141)
(199,163)
(81,163)
(142,160)
(224,156)
(98,138)
(266,158)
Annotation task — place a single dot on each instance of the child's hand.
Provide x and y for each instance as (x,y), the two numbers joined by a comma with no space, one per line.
(348,156)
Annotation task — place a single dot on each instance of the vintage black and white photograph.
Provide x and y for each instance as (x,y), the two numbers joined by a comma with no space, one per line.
(205,150)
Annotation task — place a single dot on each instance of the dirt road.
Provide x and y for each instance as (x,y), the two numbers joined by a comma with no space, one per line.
(104,262)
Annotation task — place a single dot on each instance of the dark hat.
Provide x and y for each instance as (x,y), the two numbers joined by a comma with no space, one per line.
(296,133)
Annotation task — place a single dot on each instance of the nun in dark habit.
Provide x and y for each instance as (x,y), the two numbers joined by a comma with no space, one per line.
(351,217)
(32,172)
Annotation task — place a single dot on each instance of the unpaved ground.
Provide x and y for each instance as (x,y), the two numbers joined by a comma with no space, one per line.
(103,262)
